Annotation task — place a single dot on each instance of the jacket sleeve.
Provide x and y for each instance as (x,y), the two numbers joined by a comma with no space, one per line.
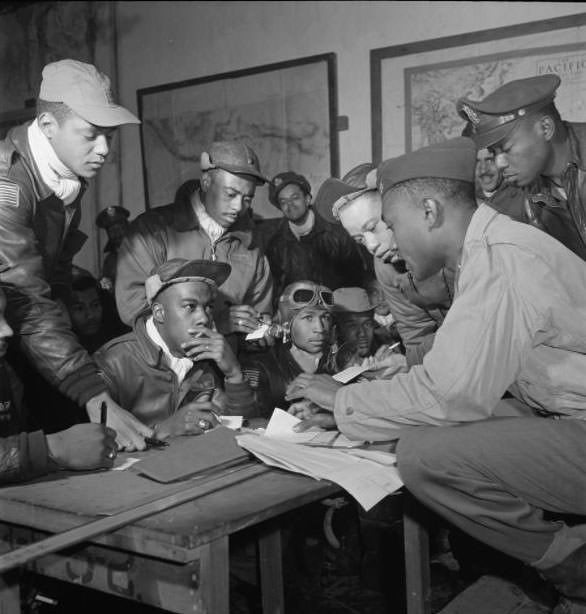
(415,326)
(475,358)
(139,254)
(45,334)
(240,399)
(23,457)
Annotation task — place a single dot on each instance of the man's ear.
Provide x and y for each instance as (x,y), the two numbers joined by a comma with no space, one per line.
(158,312)
(547,127)
(48,124)
(205,181)
(433,212)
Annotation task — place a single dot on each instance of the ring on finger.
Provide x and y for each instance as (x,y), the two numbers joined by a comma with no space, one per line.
(112,454)
(203,424)
(239,322)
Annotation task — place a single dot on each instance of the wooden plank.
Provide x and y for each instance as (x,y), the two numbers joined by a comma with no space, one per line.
(111,523)
(271,568)
(175,534)
(417,570)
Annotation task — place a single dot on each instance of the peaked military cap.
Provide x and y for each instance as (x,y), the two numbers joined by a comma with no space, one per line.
(494,118)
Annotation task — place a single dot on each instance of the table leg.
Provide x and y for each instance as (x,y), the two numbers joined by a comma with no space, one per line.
(417,571)
(10,593)
(215,565)
(271,568)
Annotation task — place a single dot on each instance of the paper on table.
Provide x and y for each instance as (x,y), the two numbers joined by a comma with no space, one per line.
(367,481)
(281,425)
(259,333)
(350,373)
(231,422)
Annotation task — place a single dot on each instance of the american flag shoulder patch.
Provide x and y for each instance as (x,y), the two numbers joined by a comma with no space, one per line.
(9,194)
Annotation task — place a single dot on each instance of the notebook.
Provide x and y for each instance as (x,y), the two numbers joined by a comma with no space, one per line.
(189,455)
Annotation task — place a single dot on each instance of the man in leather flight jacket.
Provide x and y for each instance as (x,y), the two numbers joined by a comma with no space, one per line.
(43,170)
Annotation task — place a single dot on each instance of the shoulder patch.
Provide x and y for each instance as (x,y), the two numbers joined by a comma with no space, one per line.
(9,194)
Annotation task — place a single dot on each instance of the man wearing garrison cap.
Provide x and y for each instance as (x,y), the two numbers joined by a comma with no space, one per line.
(207,221)
(516,324)
(535,149)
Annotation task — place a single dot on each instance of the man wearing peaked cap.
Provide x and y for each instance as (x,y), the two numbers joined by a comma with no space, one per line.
(175,369)
(537,150)
(305,245)
(44,166)
(208,220)
(516,324)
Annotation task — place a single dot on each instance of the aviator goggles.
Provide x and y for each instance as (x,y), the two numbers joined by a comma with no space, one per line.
(308,295)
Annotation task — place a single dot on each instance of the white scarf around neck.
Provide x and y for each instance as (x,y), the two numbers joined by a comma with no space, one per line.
(208,224)
(300,230)
(61,180)
(179,366)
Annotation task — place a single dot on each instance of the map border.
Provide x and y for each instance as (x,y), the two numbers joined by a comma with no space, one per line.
(332,102)
(380,56)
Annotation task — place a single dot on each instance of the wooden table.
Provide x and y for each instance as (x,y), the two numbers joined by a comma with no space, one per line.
(178,560)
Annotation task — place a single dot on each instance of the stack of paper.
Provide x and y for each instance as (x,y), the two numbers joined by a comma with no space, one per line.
(368,475)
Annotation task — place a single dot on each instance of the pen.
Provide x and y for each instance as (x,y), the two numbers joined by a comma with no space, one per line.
(103,413)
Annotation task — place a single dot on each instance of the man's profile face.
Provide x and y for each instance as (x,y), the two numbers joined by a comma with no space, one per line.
(186,305)
(523,155)
(85,312)
(227,195)
(405,216)
(5,330)
(310,329)
(362,220)
(81,146)
(357,329)
(294,203)
(488,176)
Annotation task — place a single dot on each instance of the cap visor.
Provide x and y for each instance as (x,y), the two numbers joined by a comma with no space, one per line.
(218,272)
(106,116)
(244,170)
(492,137)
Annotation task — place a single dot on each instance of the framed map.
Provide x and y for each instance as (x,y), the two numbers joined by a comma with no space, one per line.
(286,112)
(415,87)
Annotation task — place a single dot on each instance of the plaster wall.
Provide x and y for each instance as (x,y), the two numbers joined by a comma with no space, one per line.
(162,42)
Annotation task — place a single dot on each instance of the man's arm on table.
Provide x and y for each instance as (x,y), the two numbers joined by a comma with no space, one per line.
(481,343)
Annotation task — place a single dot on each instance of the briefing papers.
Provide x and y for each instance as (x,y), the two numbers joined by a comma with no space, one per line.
(368,475)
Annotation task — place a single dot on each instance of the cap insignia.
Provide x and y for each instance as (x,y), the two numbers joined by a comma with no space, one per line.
(471,114)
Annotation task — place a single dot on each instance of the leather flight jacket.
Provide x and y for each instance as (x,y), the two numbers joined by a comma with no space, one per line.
(39,236)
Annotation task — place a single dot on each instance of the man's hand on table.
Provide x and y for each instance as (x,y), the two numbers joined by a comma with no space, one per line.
(83,447)
(320,389)
(192,419)
(130,432)
(311,415)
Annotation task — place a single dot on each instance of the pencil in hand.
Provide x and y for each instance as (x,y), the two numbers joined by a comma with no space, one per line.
(103,413)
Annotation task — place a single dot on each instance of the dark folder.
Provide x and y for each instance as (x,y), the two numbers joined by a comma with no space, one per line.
(190,455)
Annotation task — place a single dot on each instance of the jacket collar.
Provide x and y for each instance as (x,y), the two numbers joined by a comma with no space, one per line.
(151,353)
(319,226)
(577,138)
(185,219)
(19,139)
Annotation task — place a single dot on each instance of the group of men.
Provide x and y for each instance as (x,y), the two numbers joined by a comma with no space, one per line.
(490,415)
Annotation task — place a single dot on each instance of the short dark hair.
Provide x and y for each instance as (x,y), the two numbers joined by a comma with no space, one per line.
(451,190)
(58,109)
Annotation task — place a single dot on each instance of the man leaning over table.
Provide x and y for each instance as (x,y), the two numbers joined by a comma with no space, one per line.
(516,324)
(23,455)
(44,166)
